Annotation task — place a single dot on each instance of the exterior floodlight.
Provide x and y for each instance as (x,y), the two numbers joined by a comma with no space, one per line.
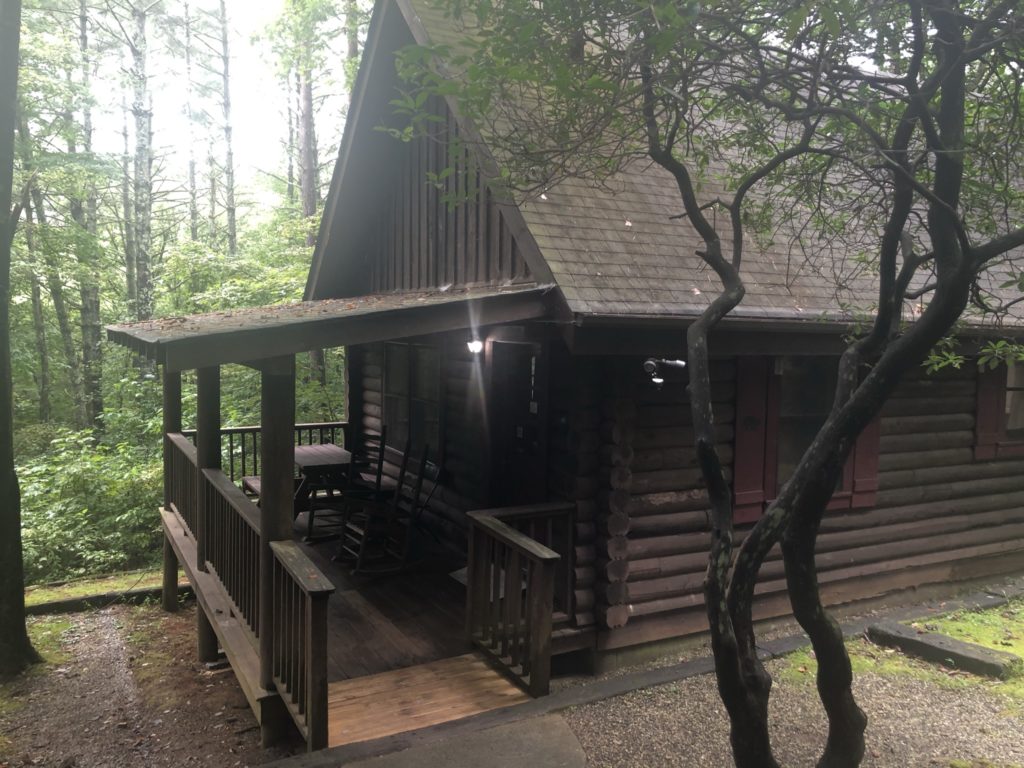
(653,367)
(475,346)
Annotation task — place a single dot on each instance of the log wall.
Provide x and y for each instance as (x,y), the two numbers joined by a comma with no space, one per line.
(464,458)
(574,464)
(440,223)
(574,422)
(940,515)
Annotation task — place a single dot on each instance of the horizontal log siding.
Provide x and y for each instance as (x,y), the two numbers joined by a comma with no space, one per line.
(574,465)
(463,483)
(419,241)
(939,515)
(652,502)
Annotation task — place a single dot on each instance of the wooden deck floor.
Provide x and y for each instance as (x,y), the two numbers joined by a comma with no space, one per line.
(416,697)
(384,623)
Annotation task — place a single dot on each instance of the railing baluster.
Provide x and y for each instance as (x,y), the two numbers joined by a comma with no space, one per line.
(512,592)
(512,574)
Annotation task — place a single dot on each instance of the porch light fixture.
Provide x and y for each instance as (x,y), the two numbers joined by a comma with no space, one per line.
(475,346)
(653,366)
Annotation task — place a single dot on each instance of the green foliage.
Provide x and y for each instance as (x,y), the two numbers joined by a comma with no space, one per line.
(89,507)
(270,268)
(945,354)
(995,353)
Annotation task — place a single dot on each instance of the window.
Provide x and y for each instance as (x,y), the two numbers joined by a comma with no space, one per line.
(999,420)
(780,405)
(412,395)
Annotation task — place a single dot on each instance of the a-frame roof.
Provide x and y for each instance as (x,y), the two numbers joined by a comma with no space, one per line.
(618,250)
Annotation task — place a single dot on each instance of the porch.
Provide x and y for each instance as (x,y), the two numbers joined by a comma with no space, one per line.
(357,657)
(304,636)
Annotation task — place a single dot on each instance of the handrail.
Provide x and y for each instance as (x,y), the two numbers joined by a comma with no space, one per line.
(181,464)
(240,446)
(233,545)
(510,593)
(300,593)
(250,428)
(525,511)
(505,533)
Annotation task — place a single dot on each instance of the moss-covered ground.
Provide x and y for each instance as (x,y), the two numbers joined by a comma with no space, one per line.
(118,582)
(997,628)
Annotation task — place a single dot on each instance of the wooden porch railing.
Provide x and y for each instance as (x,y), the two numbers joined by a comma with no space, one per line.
(300,594)
(240,446)
(184,478)
(233,544)
(511,586)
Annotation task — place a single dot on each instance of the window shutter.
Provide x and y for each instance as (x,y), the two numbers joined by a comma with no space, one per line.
(991,403)
(865,465)
(751,400)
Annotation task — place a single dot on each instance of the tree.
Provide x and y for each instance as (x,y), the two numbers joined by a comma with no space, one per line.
(229,155)
(16,650)
(775,106)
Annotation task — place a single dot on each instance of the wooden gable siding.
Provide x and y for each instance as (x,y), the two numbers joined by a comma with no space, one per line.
(939,516)
(420,241)
(461,486)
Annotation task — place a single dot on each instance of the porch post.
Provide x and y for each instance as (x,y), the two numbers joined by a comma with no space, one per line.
(207,447)
(277,504)
(172,423)
(207,457)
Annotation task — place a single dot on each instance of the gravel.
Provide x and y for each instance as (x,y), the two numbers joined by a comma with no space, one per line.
(131,694)
(911,723)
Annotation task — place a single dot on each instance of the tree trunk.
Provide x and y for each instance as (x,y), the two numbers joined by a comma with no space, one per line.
(89,290)
(292,114)
(211,236)
(307,153)
(16,650)
(42,373)
(352,38)
(55,286)
(128,208)
(193,194)
(229,158)
(143,167)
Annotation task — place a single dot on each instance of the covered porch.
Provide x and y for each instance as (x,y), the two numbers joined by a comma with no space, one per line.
(310,641)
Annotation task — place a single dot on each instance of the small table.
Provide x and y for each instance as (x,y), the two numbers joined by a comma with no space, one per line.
(326,458)
(322,464)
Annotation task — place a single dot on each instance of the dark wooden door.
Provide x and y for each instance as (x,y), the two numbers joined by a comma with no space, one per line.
(519,422)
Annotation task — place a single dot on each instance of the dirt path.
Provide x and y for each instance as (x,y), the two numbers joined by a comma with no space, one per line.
(130,692)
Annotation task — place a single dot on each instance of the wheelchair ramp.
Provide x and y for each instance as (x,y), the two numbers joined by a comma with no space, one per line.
(381,705)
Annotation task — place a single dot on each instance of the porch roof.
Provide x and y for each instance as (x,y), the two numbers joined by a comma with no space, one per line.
(253,334)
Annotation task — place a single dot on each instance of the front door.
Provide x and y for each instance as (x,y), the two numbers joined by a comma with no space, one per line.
(519,422)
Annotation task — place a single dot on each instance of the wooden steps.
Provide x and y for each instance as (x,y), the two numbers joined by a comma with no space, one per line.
(416,697)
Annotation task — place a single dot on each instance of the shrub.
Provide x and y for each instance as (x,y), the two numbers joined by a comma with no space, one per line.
(89,507)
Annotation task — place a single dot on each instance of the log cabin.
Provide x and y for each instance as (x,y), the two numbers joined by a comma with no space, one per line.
(510,339)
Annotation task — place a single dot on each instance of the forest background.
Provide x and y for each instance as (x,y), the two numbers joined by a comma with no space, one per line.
(172,156)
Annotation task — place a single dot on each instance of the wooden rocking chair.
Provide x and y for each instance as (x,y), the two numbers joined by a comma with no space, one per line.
(364,479)
(381,529)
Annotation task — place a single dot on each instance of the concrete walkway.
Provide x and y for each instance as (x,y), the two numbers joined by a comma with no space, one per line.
(541,742)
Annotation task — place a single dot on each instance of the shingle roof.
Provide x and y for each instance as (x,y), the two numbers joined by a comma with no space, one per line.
(620,249)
